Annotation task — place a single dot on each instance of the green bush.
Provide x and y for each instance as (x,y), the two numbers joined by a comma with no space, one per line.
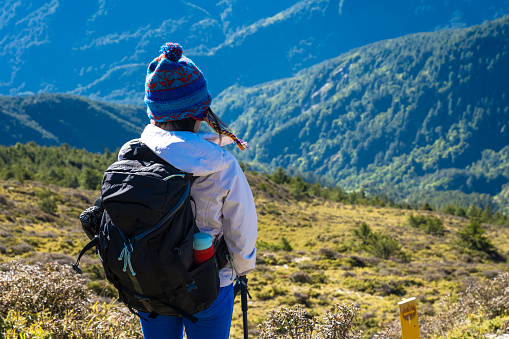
(47,202)
(472,237)
(280,177)
(298,188)
(430,225)
(378,244)
(383,246)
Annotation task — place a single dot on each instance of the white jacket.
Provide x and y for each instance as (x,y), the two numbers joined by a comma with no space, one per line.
(224,202)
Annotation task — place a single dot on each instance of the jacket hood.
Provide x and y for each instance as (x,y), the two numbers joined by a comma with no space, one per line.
(187,151)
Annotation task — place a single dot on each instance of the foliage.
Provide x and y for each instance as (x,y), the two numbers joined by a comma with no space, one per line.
(47,202)
(279,176)
(472,237)
(51,301)
(380,245)
(480,302)
(328,263)
(295,323)
(283,245)
(429,224)
(62,165)
(298,187)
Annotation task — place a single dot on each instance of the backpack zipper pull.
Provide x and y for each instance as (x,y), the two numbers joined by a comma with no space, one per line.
(182,175)
(126,255)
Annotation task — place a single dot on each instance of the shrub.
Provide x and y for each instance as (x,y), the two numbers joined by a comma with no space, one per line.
(280,177)
(21,248)
(285,245)
(51,301)
(472,237)
(300,277)
(383,246)
(296,323)
(47,202)
(380,245)
(486,300)
(270,293)
(430,225)
(363,232)
(298,188)
(327,253)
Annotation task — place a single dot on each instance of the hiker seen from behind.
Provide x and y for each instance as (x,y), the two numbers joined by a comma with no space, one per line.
(178,220)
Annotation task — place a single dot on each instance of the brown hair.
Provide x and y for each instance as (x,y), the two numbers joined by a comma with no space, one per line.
(187,124)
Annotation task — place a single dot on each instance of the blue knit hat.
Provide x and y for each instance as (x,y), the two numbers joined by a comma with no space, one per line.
(175,88)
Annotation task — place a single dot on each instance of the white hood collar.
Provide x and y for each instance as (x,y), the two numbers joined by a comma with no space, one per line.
(187,151)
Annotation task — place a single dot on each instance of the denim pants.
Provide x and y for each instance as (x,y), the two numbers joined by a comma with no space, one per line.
(213,323)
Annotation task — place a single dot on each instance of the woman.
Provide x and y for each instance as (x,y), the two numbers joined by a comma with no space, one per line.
(177,102)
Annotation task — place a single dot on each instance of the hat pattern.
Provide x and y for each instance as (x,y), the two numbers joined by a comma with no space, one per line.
(174,87)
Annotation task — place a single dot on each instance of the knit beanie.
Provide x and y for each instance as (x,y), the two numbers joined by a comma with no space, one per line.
(176,89)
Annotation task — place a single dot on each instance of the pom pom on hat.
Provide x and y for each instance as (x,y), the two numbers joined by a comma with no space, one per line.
(172,51)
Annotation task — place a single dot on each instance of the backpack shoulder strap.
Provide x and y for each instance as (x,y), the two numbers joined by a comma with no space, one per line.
(130,147)
(137,150)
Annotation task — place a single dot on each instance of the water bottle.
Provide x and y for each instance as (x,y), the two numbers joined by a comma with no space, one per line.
(202,248)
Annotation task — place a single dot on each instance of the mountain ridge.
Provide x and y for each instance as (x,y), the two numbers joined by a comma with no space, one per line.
(387,113)
(101,49)
(54,119)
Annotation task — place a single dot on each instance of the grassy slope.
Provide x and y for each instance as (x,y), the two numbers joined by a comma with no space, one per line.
(324,251)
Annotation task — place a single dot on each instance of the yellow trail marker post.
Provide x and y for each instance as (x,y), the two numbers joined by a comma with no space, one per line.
(409,319)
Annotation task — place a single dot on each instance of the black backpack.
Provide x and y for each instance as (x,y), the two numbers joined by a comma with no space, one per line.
(144,239)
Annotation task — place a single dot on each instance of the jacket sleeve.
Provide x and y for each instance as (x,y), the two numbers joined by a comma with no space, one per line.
(240,225)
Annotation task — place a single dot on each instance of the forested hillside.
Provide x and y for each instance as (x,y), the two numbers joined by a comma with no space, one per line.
(54,119)
(419,114)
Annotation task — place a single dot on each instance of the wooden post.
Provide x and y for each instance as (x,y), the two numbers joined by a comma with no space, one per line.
(409,319)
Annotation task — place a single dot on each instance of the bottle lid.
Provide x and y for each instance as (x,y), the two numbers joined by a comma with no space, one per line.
(202,241)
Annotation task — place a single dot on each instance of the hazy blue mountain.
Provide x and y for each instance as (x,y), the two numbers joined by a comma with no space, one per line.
(100,49)
(55,119)
(422,113)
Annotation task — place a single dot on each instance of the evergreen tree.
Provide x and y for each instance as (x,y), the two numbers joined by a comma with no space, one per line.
(280,177)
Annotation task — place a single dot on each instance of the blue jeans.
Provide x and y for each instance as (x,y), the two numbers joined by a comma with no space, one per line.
(214,322)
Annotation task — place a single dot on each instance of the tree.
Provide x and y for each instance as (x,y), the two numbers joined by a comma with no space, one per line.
(298,187)
(280,177)
(487,214)
(363,232)
(472,237)
(90,179)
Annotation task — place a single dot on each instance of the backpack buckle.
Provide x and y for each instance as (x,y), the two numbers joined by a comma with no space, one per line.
(142,298)
(178,251)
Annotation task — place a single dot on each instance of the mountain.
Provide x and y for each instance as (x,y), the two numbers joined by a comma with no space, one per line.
(100,49)
(419,118)
(418,114)
(54,119)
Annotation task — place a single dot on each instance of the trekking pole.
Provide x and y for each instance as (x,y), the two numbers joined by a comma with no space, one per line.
(241,285)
